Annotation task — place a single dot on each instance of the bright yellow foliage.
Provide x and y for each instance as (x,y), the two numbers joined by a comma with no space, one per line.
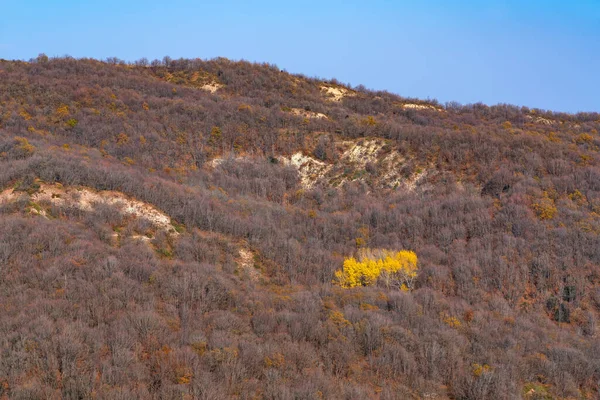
(275,361)
(183,375)
(199,347)
(584,159)
(545,207)
(479,369)
(369,121)
(553,137)
(578,197)
(215,134)
(122,139)
(63,110)
(26,116)
(452,322)
(23,146)
(338,319)
(393,269)
(584,138)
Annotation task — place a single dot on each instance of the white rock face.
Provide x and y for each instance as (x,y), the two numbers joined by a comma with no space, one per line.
(422,107)
(540,120)
(308,114)
(310,169)
(356,156)
(212,87)
(86,200)
(336,93)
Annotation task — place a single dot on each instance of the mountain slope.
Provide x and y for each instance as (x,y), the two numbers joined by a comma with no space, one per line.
(264,183)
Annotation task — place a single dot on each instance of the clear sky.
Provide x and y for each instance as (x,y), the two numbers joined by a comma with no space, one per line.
(538,53)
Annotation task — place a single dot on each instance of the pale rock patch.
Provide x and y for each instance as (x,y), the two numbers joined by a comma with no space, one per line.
(246,264)
(544,121)
(215,162)
(356,154)
(363,152)
(336,93)
(211,87)
(141,238)
(8,196)
(411,183)
(114,238)
(308,114)
(414,106)
(390,174)
(540,120)
(310,169)
(85,199)
(354,157)
(369,151)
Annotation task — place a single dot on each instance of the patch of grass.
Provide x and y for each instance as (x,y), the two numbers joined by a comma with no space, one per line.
(28,185)
(358,174)
(164,252)
(537,391)
(179,228)
(35,206)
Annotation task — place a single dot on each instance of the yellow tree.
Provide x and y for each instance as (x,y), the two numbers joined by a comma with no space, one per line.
(392,269)
(355,273)
(399,270)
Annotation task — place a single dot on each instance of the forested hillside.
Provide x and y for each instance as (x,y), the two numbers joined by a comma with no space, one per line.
(215,229)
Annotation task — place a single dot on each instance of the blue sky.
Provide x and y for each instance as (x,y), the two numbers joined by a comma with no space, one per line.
(543,54)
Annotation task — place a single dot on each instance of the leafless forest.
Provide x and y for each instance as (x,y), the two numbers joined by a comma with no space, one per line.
(234,296)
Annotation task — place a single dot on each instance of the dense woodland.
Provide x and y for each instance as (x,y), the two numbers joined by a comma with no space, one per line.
(505,225)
